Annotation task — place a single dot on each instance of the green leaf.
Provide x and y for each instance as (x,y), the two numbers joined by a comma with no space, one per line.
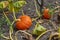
(38,29)
(10,7)
(1,5)
(19,4)
(10,0)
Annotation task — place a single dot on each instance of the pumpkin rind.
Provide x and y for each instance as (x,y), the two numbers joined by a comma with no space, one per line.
(46,14)
(24,23)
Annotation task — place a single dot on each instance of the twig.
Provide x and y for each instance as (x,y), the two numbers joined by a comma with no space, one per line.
(25,33)
(53,35)
(53,24)
(55,9)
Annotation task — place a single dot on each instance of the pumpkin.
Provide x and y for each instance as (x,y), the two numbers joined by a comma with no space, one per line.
(24,22)
(46,14)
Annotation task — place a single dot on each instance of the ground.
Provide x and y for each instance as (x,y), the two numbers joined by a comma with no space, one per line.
(29,9)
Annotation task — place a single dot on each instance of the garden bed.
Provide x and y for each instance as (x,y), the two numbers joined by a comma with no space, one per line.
(29,9)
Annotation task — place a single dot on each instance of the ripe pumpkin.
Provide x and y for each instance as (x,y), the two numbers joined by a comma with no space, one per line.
(46,14)
(24,22)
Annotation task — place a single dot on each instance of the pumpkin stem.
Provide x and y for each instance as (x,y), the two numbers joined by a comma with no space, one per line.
(18,19)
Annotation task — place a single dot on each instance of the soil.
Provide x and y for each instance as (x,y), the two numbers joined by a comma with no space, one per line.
(29,9)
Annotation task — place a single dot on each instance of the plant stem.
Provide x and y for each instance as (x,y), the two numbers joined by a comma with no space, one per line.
(22,12)
(41,5)
(53,24)
(53,10)
(22,32)
(53,35)
(13,22)
(11,30)
(10,26)
(10,34)
(7,19)
(36,9)
(42,34)
(5,37)
(14,14)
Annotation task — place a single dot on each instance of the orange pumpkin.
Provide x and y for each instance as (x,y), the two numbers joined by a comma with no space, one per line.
(46,14)
(24,23)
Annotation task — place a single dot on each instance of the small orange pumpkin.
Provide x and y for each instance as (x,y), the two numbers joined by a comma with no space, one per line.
(24,23)
(46,14)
